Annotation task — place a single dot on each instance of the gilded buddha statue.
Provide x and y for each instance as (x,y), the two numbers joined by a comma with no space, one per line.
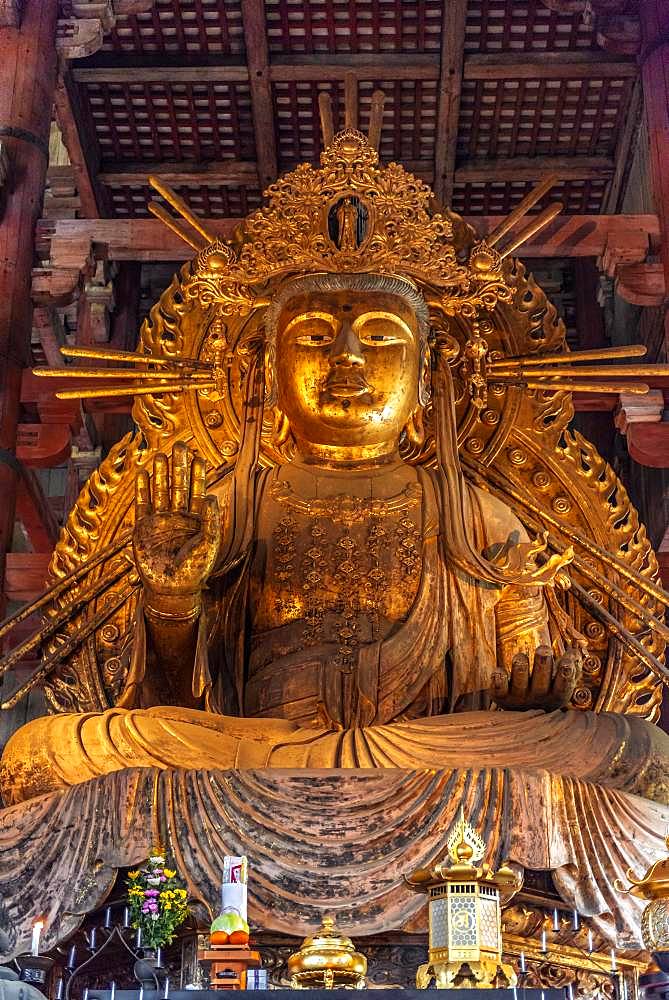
(352,529)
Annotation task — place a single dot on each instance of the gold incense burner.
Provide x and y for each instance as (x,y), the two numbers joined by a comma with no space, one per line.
(464,907)
(328,960)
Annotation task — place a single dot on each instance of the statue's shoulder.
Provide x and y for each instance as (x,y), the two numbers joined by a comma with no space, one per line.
(492,519)
(496,518)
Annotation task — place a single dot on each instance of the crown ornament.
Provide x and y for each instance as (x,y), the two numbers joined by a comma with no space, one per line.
(354,215)
(350,215)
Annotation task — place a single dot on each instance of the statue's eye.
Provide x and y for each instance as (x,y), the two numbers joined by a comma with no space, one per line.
(315,339)
(374,338)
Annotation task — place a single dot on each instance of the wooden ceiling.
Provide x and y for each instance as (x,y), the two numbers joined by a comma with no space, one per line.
(483,98)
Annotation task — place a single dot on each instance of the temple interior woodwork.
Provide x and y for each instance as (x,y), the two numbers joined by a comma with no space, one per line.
(334,520)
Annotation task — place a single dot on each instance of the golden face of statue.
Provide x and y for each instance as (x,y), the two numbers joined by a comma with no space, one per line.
(347,367)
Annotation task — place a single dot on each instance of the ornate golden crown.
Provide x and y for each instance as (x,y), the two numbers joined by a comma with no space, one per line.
(349,215)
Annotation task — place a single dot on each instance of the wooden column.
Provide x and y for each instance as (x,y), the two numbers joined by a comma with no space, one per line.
(654,60)
(27,81)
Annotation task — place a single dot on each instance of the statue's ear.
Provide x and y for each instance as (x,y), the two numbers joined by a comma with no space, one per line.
(415,428)
(281,429)
(424,376)
(270,375)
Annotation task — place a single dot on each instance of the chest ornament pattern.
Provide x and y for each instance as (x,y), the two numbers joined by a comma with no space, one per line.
(359,550)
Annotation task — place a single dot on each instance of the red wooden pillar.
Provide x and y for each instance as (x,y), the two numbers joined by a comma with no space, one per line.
(27,81)
(654,60)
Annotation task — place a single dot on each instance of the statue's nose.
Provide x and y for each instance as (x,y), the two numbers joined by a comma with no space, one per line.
(346,348)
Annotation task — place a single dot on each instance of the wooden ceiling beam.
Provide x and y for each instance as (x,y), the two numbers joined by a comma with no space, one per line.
(584,65)
(454,17)
(149,240)
(257,57)
(152,73)
(370,66)
(210,174)
(566,168)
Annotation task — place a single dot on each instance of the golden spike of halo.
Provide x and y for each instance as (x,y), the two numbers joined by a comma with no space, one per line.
(136,357)
(135,390)
(528,202)
(167,220)
(180,206)
(51,593)
(376,119)
(540,222)
(598,354)
(351,100)
(552,370)
(115,373)
(562,385)
(68,646)
(325,112)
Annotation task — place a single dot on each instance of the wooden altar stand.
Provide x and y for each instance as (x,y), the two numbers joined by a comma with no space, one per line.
(228,964)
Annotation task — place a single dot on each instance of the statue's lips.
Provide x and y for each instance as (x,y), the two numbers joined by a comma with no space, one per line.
(344,386)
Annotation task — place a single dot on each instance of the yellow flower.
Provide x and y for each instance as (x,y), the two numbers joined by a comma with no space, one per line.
(168,873)
(168,906)
(181,892)
(133,874)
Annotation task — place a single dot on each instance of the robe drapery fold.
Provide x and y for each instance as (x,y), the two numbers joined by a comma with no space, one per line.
(315,839)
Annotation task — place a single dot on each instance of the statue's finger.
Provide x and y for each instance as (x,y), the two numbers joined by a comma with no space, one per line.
(161,483)
(198,485)
(542,672)
(211,525)
(180,477)
(520,675)
(566,678)
(142,495)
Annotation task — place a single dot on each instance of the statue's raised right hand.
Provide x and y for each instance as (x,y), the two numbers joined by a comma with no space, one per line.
(177,533)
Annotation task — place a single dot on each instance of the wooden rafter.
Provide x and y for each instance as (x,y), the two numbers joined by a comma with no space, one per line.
(257,56)
(448,99)
(79,139)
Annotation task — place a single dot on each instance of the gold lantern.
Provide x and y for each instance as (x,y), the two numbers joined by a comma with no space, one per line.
(465,922)
(654,886)
(328,960)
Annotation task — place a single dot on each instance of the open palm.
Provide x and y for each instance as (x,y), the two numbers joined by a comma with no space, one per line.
(177,529)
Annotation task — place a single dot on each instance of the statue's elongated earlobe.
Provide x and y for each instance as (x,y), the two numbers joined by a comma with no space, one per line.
(415,428)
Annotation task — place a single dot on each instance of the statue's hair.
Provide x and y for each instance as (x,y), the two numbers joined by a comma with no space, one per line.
(391,284)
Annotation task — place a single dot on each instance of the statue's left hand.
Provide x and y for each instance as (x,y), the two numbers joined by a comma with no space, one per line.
(549,686)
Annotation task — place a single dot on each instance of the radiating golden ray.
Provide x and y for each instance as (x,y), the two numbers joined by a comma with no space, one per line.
(134,390)
(111,354)
(376,119)
(115,373)
(538,223)
(528,202)
(553,370)
(171,223)
(597,354)
(179,205)
(562,385)
(325,112)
